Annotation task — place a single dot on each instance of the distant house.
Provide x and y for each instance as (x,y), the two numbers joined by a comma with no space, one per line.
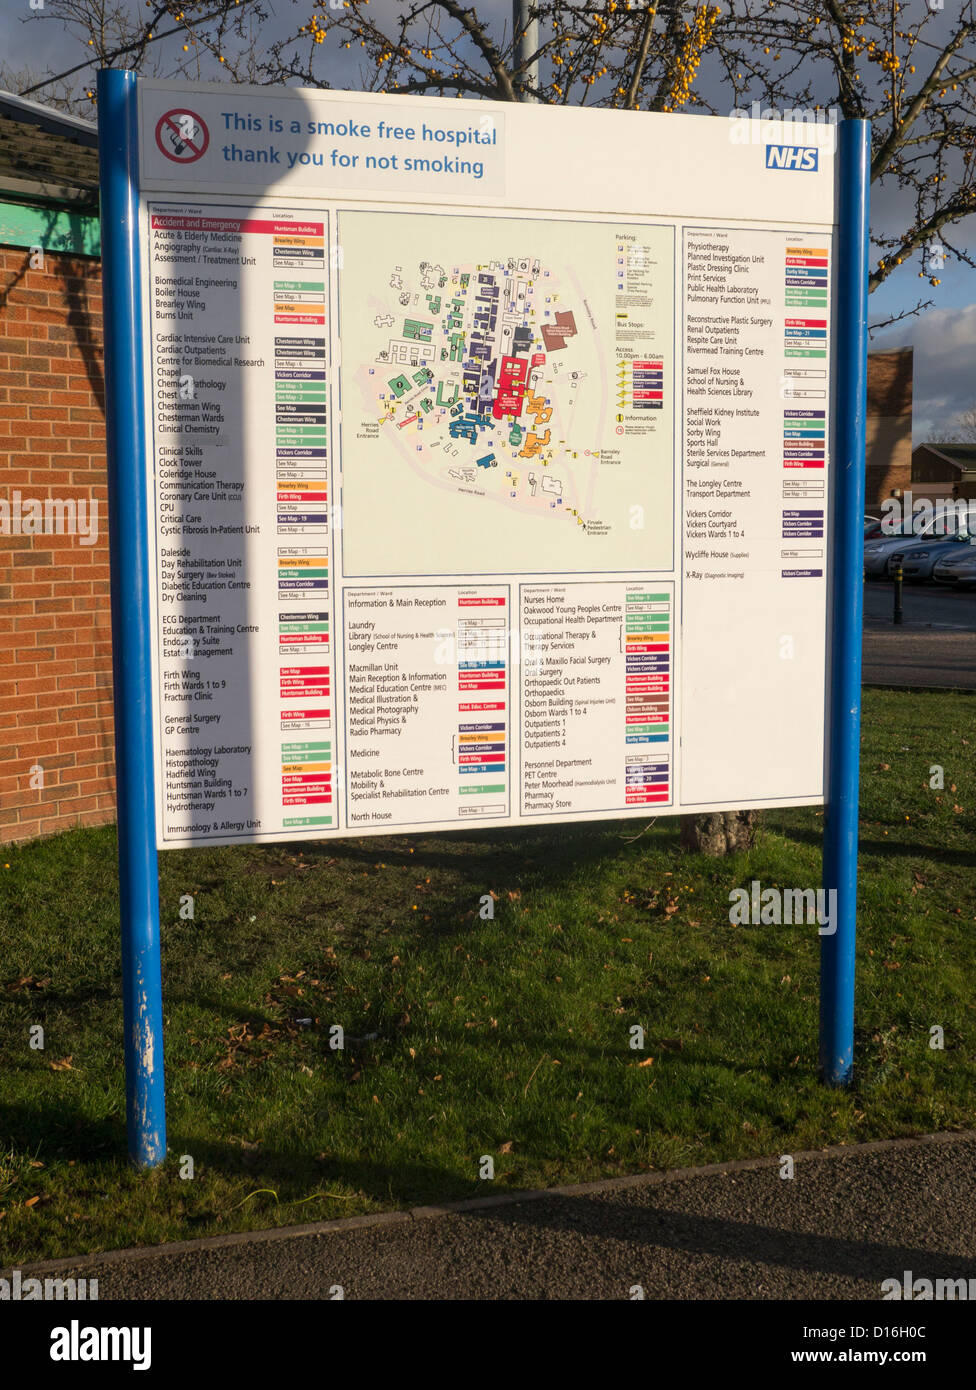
(944,470)
(888,425)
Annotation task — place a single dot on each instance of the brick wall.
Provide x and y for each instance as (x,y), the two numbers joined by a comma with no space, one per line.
(888,427)
(55,625)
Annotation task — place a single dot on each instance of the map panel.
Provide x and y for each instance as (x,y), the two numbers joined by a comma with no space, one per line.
(507,383)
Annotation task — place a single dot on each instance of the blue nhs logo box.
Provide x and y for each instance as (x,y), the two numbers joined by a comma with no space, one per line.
(802,157)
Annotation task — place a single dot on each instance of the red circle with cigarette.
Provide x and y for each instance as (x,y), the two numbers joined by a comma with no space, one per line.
(182,136)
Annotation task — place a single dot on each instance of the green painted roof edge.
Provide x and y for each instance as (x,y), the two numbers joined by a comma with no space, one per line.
(51,228)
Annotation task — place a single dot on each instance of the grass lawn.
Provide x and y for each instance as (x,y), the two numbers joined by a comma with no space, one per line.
(466,1036)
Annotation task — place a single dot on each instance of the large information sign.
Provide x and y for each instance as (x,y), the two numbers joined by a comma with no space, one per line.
(488,461)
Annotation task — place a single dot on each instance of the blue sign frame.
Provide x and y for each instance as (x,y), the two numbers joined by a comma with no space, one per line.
(118,128)
(837,951)
(128,504)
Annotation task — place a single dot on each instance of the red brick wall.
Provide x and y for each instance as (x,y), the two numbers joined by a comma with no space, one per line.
(55,626)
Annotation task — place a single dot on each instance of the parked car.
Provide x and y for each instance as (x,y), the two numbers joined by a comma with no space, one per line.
(919,559)
(879,550)
(958,567)
(872,526)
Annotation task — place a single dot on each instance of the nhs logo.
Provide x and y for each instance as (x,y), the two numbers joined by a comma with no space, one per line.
(803,157)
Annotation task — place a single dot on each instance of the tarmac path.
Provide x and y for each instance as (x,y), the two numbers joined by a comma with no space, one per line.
(934,646)
(850,1218)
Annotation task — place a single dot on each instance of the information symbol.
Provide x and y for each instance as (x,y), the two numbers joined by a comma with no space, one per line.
(182,136)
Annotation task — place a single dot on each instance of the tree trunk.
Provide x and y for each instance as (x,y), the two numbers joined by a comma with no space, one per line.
(719,832)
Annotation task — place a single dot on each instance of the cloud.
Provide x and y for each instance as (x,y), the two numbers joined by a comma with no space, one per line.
(945,365)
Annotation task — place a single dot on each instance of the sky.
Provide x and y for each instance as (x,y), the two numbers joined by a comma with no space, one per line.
(943,336)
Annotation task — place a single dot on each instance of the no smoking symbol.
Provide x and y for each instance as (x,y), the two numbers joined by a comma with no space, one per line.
(182,136)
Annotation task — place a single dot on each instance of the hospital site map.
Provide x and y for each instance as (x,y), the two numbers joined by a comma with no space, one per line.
(492,388)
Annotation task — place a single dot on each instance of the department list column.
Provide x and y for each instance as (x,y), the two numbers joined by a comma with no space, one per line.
(595,681)
(427,704)
(755,428)
(238,309)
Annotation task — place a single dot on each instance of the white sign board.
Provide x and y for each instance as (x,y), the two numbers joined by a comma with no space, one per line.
(488,461)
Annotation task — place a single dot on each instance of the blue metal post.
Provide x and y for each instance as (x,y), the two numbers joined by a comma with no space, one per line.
(129,539)
(837,950)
